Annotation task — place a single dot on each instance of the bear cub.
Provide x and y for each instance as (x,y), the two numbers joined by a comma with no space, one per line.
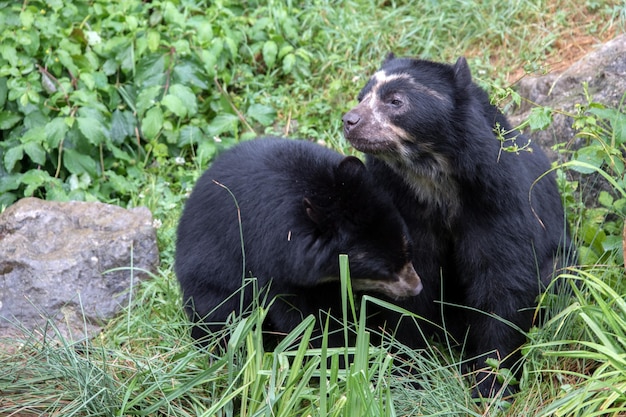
(488,225)
(297,206)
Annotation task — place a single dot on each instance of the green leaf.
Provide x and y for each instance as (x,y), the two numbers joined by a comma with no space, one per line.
(9,183)
(217,46)
(12,156)
(262,114)
(540,118)
(288,63)
(6,198)
(205,151)
(591,155)
(175,105)
(87,79)
(24,100)
(89,101)
(55,131)
(286,49)
(224,122)
(204,31)
(270,51)
(605,199)
(187,98)
(33,96)
(126,58)
(209,60)
(120,154)
(70,45)
(154,39)
(27,18)
(232,47)
(36,134)
(67,61)
(150,71)
(79,182)
(152,124)
(617,120)
(147,98)
(55,5)
(8,119)
(188,73)
(619,129)
(34,179)
(4,90)
(9,53)
(612,243)
(173,16)
(593,236)
(120,183)
(77,163)
(92,129)
(35,152)
(290,30)
(189,135)
(122,125)
(32,46)
(602,112)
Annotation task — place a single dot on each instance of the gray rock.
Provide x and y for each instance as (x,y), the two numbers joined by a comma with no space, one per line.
(58,261)
(604,70)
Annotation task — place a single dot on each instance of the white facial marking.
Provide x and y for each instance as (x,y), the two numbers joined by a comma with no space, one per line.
(381,77)
(406,284)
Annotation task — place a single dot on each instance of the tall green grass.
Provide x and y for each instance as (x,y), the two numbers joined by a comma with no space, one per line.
(154,368)
(582,350)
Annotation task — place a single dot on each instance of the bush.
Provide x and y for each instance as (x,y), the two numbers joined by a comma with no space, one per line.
(600,223)
(94,93)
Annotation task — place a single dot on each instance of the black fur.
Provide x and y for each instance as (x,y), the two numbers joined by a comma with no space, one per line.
(487,225)
(301,205)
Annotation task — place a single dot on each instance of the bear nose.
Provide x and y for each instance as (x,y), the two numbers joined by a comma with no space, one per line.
(350,120)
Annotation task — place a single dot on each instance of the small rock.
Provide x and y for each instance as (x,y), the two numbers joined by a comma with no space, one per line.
(604,71)
(58,261)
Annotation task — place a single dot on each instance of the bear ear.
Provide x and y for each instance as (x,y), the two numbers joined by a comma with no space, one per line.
(350,167)
(462,73)
(312,211)
(389,57)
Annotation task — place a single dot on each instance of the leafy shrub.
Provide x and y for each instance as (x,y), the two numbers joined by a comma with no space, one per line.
(94,93)
(603,154)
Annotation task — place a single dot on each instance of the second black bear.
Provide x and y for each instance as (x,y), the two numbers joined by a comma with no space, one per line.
(300,206)
(488,226)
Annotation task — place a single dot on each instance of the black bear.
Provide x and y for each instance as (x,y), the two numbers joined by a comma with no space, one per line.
(487,225)
(282,211)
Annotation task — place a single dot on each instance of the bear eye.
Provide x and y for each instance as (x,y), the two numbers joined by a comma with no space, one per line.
(395,101)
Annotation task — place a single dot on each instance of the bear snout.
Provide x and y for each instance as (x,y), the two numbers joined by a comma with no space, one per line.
(350,120)
(410,282)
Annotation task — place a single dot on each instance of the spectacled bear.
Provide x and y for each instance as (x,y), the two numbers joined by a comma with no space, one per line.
(297,206)
(487,225)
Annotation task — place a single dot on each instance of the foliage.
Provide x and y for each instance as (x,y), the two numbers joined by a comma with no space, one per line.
(581,348)
(600,164)
(175,378)
(93,94)
(589,335)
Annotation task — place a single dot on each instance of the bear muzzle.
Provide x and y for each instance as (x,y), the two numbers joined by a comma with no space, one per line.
(404,284)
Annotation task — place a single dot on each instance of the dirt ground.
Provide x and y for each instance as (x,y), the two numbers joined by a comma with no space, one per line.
(574,41)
